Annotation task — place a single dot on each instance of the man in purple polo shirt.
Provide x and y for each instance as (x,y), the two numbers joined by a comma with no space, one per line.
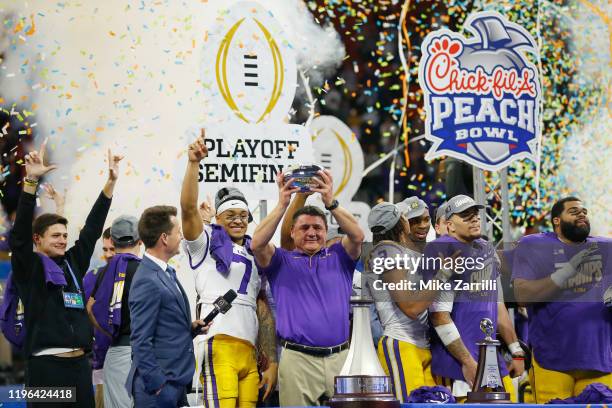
(312,288)
(563,276)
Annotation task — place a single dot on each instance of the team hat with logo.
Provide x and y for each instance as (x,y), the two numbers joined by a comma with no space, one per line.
(383,217)
(412,207)
(124,231)
(459,204)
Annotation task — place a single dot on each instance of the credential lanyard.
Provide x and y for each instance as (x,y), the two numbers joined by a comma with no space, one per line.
(73,277)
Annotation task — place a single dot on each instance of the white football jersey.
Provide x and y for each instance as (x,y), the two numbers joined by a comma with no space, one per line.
(395,322)
(243,277)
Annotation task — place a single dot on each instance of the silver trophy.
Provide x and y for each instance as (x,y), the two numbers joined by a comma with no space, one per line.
(488,385)
(362,382)
(608,297)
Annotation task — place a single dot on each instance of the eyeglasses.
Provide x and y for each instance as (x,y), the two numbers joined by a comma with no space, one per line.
(242,218)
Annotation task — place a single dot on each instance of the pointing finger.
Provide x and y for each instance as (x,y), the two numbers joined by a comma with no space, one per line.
(43,148)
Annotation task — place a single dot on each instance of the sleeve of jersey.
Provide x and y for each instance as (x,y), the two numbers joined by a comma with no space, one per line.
(275,264)
(348,263)
(443,301)
(524,262)
(197,250)
(500,291)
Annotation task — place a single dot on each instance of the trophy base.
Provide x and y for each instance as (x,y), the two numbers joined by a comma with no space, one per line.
(362,401)
(490,397)
(362,391)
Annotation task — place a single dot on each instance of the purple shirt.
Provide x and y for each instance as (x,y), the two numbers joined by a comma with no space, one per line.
(573,332)
(469,307)
(312,295)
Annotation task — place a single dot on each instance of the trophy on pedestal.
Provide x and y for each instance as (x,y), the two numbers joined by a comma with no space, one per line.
(488,385)
(362,382)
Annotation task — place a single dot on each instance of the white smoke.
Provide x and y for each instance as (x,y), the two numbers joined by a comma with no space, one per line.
(319,49)
(587,169)
(125,75)
(584,163)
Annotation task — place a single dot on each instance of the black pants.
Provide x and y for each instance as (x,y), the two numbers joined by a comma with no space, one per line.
(52,371)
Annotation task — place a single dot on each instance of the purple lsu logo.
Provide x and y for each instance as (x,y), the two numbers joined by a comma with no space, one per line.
(482,95)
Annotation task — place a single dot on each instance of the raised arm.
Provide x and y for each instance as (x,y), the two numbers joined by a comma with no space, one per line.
(354,234)
(298,202)
(58,198)
(113,174)
(20,239)
(83,248)
(190,215)
(261,246)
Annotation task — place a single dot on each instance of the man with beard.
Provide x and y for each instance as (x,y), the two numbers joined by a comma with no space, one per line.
(562,276)
(416,212)
(456,314)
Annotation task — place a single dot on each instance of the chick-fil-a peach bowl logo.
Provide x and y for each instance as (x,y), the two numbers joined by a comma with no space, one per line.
(482,95)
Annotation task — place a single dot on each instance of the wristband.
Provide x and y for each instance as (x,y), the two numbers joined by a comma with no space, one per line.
(447,333)
(515,348)
(30,182)
(334,204)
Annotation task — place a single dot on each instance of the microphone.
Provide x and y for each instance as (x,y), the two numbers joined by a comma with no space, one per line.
(221,305)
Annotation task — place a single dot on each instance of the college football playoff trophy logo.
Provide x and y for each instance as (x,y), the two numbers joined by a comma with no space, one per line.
(482,94)
(249,79)
(252,73)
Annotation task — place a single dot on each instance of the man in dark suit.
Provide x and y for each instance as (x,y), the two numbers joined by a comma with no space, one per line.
(163,361)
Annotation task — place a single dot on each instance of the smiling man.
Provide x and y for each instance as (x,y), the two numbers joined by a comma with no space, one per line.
(312,287)
(49,279)
(416,212)
(221,260)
